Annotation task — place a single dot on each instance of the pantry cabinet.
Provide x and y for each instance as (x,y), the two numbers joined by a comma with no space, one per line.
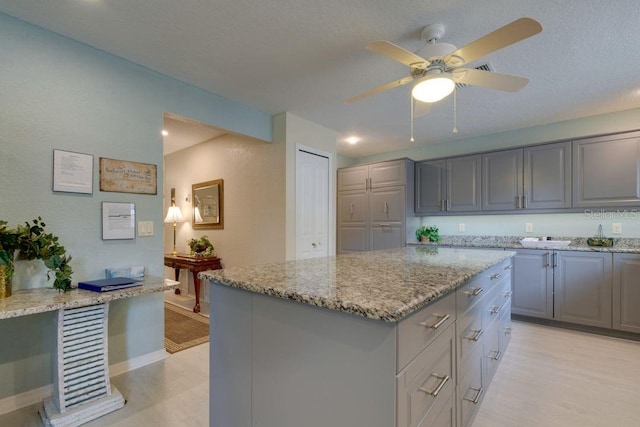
(372,205)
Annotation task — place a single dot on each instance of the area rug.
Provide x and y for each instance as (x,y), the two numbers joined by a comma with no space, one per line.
(183,328)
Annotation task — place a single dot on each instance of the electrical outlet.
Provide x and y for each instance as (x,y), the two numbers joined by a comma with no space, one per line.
(461,228)
(528,227)
(617,228)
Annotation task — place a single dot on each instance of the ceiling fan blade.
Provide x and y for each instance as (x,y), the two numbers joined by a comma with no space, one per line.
(379,89)
(396,53)
(516,31)
(473,77)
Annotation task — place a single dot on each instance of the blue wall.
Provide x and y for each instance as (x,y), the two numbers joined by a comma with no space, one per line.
(56,93)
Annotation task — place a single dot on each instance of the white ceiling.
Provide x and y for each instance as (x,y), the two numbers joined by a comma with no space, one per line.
(307,56)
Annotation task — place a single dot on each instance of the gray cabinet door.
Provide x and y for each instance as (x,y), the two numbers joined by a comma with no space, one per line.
(387,217)
(547,176)
(532,284)
(583,287)
(606,171)
(463,184)
(626,292)
(353,178)
(387,174)
(502,180)
(430,189)
(353,228)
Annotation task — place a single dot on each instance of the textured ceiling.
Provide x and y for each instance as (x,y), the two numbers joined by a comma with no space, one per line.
(307,56)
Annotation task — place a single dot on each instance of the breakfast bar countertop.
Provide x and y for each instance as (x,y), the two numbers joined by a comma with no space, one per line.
(384,285)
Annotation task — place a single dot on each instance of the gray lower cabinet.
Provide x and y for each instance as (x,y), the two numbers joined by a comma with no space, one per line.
(537,177)
(570,286)
(533,283)
(481,330)
(448,185)
(582,288)
(626,292)
(372,205)
(606,171)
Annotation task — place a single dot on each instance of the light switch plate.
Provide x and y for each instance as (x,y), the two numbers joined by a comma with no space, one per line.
(461,228)
(528,227)
(145,228)
(617,228)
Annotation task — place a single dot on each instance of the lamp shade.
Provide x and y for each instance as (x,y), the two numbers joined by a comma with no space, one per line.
(433,88)
(174,215)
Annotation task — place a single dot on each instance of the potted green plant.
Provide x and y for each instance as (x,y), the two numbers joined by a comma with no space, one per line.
(201,247)
(31,241)
(427,233)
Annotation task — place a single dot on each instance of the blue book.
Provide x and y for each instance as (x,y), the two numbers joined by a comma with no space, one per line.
(112,284)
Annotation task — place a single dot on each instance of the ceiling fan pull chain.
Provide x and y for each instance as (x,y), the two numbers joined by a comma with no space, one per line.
(412,101)
(455,111)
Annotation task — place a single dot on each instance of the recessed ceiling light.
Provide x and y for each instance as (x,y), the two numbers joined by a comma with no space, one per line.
(353,140)
(165,132)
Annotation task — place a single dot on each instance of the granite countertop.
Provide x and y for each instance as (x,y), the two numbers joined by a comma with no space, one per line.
(31,301)
(621,245)
(384,285)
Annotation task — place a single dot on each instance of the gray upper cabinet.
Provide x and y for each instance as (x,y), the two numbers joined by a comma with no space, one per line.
(448,185)
(547,176)
(606,171)
(626,292)
(537,177)
(372,205)
(502,180)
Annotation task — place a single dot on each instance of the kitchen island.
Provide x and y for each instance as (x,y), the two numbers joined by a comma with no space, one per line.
(341,340)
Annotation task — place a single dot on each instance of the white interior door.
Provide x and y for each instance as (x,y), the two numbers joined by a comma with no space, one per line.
(312,204)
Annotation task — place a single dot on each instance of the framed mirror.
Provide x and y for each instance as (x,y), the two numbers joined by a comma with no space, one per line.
(208,204)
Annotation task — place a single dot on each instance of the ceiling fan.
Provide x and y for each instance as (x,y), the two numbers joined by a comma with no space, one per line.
(436,68)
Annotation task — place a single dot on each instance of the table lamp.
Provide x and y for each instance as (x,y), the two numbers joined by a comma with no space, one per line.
(174,215)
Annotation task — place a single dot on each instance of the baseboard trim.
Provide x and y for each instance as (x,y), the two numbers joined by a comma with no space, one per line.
(31,397)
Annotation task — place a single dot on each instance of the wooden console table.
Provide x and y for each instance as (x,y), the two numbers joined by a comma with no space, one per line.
(195,265)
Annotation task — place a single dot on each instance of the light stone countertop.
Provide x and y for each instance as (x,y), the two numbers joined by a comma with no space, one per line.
(384,285)
(620,245)
(31,301)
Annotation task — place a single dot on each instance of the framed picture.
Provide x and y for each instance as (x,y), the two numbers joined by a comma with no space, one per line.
(123,176)
(72,172)
(118,221)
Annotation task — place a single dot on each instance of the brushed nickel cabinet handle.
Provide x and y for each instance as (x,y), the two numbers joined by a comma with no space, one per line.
(507,331)
(524,202)
(507,294)
(439,323)
(443,380)
(517,202)
(351,209)
(494,354)
(476,399)
(495,275)
(548,260)
(476,335)
(386,208)
(474,292)
(448,204)
(495,309)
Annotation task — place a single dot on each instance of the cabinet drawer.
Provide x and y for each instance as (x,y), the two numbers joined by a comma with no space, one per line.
(442,415)
(492,352)
(470,390)
(469,336)
(498,300)
(471,293)
(426,381)
(422,327)
(505,330)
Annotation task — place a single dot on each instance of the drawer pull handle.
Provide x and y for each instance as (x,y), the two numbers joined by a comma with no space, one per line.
(507,294)
(495,275)
(508,267)
(439,323)
(443,380)
(476,335)
(474,292)
(476,399)
(507,331)
(496,354)
(495,309)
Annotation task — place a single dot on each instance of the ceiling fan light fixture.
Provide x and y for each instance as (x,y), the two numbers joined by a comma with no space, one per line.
(434,88)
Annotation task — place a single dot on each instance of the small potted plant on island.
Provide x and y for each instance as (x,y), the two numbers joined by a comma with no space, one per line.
(30,241)
(201,247)
(427,233)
